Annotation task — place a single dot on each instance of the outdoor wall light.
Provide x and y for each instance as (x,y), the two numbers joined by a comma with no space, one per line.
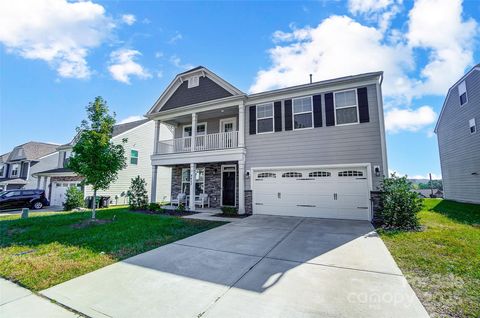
(376,169)
(247,174)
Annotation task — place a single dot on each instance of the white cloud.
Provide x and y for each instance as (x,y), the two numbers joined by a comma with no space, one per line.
(128,19)
(129,119)
(177,62)
(410,120)
(56,31)
(341,46)
(438,27)
(158,54)
(177,37)
(123,66)
(338,46)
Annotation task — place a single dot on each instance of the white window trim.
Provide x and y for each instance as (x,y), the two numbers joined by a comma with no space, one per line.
(18,171)
(138,156)
(350,106)
(460,94)
(273,118)
(182,182)
(293,113)
(4,165)
(226,121)
(198,124)
(474,125)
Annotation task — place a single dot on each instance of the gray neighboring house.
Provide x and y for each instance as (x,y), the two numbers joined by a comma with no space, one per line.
(316,149)
(459,139)
(18,166)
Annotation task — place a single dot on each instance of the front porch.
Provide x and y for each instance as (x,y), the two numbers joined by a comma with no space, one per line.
(217,182)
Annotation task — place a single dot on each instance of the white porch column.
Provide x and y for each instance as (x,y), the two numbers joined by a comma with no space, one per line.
(241,186)
(156,137)
(194,130)
(241,125)
(47,188)
(153,187)
(38,181)
(191,205)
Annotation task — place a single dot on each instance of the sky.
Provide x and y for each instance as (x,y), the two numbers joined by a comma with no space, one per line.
(56,56)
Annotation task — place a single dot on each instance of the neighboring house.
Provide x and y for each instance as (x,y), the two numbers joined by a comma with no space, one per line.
(315,150)
(427,193)
(139,146)
(18,166)
(459,140)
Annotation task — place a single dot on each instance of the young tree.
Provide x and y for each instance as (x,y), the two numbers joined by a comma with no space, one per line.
(95,157)
(137,194)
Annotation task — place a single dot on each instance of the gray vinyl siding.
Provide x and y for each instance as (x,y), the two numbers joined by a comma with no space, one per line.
(459,149)
(358,143)
(213,125)
(141,139)
(45,163)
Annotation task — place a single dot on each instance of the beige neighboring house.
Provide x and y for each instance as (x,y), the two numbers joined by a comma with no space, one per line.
(139,147)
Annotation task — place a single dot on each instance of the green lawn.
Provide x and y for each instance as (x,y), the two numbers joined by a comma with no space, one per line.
(48,248)
(442,263)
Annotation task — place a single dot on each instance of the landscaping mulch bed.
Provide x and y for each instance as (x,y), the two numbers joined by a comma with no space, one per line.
(166,212)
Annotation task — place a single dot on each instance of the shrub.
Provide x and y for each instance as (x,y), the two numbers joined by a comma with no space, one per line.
(180,208)
(73,199)
(399,205)
(137,194)
(155,207)
(229,210)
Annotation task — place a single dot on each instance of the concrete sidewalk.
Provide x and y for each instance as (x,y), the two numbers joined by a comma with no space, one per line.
(19,302)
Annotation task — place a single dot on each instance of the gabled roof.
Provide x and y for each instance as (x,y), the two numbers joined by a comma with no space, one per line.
(117,130)
(177,94)
(31,151)
(475,68)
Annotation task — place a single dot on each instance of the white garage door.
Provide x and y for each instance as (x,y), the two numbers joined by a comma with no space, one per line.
(340,193)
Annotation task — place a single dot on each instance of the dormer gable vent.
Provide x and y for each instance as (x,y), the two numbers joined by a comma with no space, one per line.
(193,81)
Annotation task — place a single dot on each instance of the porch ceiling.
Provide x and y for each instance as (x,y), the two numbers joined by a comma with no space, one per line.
(215,113)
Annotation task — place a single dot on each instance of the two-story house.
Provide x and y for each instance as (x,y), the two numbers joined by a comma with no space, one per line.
(139,146)
(19,165)
(459,140)
(316,149)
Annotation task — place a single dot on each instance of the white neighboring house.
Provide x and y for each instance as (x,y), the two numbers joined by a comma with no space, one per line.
(139,147)
(18,165)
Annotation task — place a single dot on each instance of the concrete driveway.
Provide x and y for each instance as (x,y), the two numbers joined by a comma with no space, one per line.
(262,266)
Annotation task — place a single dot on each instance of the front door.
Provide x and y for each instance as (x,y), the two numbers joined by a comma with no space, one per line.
(228,186)
(228,125)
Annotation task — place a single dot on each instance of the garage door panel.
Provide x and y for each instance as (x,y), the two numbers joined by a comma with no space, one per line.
(332,193)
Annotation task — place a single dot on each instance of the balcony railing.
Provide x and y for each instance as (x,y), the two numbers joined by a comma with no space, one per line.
(218,141)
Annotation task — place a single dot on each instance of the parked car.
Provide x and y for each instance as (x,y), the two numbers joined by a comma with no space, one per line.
(17,199)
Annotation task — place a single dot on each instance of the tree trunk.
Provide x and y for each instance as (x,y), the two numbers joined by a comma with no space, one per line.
(94,205)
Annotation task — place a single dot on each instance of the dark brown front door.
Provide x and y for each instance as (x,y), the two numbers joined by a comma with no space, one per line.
(228,188)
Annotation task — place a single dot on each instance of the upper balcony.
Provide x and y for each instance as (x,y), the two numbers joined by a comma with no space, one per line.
(216,141)
(204,136)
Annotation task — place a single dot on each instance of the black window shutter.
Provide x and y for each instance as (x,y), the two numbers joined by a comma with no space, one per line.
(317,111)
(278,115)
(363,105)
(288,114)
(253,119)
(329,111)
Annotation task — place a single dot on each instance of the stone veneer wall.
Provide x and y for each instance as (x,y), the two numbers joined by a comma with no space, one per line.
(248,202)
(213,177)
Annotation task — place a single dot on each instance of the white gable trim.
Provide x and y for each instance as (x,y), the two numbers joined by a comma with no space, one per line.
(179,79)
(475,68)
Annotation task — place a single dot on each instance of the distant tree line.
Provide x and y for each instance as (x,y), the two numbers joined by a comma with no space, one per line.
(435,184)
